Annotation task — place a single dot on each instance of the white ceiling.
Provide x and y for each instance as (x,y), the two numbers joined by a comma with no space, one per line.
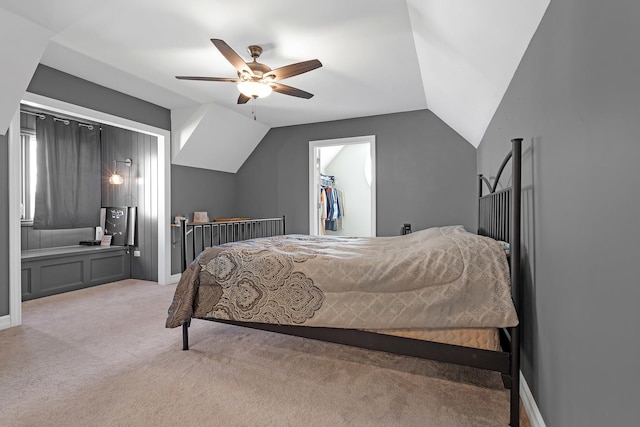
(379,56)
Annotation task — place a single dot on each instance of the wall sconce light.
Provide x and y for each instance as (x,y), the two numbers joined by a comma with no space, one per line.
(117,179)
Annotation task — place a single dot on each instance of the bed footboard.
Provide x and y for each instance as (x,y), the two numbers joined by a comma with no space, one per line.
(196,236)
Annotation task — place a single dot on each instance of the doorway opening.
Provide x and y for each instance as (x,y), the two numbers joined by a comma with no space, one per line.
(342,170)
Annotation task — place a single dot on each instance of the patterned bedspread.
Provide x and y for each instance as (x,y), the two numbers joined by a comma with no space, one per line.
(435,278)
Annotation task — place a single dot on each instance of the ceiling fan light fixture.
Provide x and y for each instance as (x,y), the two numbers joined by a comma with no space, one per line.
(257,80)
(255,89)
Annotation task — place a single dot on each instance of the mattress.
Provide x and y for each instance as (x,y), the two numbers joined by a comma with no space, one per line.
(483,338)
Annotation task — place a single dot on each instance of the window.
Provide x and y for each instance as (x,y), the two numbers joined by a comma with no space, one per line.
(29,175)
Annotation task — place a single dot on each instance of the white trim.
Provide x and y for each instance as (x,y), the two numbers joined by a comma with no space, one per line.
(313,184)
(5,322)
(14,170)
(174,278)
(374,188)
(164,167)
(529,403)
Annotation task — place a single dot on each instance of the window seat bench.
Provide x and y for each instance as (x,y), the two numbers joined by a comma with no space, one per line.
(60,269)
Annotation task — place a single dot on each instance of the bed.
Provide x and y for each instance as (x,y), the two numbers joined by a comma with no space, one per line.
(442,294)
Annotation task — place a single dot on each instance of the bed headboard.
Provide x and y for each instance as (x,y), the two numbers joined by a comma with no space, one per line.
(499,218)
(499,211)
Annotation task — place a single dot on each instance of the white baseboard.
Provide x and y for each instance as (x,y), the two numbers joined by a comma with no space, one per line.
(529,403)
(5,322)
(174,278)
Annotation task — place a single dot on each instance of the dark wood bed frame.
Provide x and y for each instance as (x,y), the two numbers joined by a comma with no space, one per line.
(499,218)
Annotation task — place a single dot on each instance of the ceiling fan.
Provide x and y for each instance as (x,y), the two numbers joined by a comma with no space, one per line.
(256,80)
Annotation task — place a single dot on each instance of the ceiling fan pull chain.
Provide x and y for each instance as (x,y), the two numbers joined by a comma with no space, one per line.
(253,107)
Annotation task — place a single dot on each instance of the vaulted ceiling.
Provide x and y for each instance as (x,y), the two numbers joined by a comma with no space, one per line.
(455,58)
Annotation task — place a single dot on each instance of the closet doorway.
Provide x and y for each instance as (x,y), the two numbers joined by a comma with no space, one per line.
(342,187)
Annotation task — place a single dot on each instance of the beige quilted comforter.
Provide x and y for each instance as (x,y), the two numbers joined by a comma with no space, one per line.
(436,278)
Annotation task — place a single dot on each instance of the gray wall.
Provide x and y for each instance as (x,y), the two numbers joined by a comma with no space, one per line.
(139,189)
(425,172)
(575,98)
(56,84)
(199,190)
(4,226)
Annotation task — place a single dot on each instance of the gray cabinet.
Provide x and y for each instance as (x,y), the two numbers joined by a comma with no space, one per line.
(56,270)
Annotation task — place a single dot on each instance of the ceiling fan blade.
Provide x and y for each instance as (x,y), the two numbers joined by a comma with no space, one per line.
(243,99)
(208,79)
(292,91)
(231,56)
(294,69)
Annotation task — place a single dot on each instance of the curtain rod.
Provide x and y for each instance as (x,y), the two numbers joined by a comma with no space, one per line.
(42,116)
(57,119)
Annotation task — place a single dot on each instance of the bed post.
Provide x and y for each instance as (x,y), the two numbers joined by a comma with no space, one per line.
(479,204)
(183,264)
(515,279)
(185,336)
(183,244)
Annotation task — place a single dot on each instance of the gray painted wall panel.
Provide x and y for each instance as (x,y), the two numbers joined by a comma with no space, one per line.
(425,171)
(139,181)
(4,226)
(575,98)
(69,273)
(38,239)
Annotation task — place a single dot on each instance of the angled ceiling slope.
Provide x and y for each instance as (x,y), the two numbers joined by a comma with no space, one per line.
(24,53)
(212,137)
(468,53)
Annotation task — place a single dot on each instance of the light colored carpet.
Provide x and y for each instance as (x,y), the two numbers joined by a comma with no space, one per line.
(102,357)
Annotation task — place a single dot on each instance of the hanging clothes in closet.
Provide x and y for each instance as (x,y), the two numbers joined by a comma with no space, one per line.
(331,204)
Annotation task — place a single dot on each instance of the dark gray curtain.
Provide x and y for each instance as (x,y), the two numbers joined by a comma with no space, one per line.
(68,189)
